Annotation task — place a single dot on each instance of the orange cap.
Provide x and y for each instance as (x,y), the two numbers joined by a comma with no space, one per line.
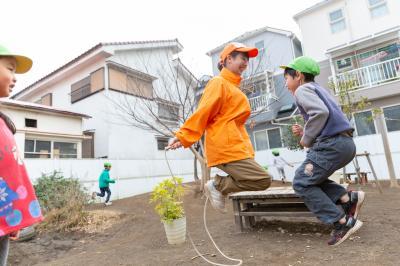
(240,47)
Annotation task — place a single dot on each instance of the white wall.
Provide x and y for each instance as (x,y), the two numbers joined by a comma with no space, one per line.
(133,177)
(373,144)
(316,31)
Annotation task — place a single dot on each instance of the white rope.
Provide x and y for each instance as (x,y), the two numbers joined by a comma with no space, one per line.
(239,262)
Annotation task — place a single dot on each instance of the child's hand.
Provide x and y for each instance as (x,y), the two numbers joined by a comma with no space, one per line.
(174,144)
(14,235)
(297,130)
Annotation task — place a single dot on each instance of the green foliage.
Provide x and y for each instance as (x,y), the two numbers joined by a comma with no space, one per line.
(289,140)
(62,201)
(167,196)
(54,191)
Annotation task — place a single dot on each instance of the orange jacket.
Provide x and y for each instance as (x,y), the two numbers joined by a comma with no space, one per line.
(222,113)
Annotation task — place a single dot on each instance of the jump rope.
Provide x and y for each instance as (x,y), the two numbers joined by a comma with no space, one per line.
(239,261)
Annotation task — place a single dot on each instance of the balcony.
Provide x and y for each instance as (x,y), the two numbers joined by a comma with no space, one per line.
(261,103)
(368,76)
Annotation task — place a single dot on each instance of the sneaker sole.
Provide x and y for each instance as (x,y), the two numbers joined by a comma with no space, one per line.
(360,202)
(355,228)
(208,195)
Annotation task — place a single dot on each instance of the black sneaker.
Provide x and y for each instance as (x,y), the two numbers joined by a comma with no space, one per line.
(353,206)
(343,231)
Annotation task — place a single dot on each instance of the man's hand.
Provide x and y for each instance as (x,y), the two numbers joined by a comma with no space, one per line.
(297,130)
(174,144)
(14,235)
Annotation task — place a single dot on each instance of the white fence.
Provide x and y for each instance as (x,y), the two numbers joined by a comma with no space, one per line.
(372,143)
(133,177)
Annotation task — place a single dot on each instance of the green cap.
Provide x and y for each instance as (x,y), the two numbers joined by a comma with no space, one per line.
(23,63)
(304,64)
(275,152)
(107,164)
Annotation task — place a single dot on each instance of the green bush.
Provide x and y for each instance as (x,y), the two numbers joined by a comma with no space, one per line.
(62,201)
(167,196)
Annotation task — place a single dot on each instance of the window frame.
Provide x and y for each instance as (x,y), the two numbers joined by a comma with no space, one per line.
(377,5)
(355,125)
(266,133)
(382,109)
(343,18)
(51,153)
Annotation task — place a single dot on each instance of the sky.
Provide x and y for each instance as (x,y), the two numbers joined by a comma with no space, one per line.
(53,32)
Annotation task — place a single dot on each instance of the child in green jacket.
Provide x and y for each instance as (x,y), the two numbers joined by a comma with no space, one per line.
(104,184)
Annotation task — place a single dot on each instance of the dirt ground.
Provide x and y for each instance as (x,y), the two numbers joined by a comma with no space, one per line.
(133,235)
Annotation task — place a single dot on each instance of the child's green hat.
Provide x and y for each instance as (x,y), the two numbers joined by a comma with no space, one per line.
(275,152)
(107,164)
(304,64)
(23,63)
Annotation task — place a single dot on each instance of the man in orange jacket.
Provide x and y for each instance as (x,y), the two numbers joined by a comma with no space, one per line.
(222,114)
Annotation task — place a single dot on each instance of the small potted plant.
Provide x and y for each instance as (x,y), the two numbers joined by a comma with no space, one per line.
(167,196)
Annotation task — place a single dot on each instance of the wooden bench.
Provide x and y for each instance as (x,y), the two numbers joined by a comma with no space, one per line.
(273,202)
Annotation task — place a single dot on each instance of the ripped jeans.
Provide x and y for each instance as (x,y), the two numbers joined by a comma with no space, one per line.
(311,182)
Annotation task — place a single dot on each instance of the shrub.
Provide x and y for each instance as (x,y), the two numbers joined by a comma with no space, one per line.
(167,196)
(62,201)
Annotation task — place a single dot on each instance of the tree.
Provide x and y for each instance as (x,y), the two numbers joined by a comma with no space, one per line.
(351,104)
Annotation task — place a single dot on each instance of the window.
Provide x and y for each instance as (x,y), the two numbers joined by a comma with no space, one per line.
(168,111)
(30,122)
(378,8)
(274,138)
(364,123)
(261,140)
(37,149)
(337,21)
(46,148)
(162,143)
(344,63)
(392,118)
(65,150)
(268,139)
(87,86)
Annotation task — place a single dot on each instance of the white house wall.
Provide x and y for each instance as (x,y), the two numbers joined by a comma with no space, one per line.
(372,143)
(316,31)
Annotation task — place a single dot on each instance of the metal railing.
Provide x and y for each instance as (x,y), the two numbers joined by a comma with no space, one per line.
(260,102)
(368,76)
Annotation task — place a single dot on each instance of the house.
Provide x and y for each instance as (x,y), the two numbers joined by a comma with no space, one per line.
(357,43)
(264,84)
(118,84)
(45,131)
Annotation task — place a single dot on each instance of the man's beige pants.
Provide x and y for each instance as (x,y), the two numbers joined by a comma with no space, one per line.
(243,175)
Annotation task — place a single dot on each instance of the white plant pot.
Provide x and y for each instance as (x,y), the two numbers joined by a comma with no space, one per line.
(176,231)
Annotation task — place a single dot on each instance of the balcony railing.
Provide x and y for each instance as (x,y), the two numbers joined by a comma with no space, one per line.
(261,103)
(368,76)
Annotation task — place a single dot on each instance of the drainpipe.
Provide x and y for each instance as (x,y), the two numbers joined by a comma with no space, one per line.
(333,70)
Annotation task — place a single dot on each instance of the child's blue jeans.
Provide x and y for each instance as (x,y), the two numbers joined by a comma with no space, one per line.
(103,190)
(311,182)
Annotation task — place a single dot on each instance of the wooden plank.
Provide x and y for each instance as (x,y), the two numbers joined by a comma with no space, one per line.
(278,214)
(274,200)
(274,192)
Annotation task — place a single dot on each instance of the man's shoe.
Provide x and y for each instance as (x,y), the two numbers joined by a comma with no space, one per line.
(108,203)
(216,198)
(353,206)
(343,231)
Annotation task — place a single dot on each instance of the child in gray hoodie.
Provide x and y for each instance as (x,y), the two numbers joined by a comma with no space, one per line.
(327,134)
